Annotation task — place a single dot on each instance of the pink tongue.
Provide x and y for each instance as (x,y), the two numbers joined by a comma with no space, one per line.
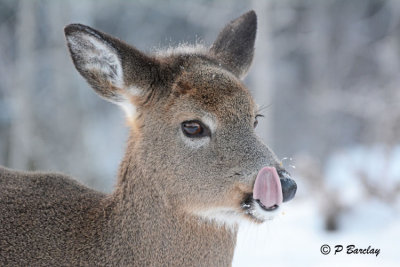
(267,187)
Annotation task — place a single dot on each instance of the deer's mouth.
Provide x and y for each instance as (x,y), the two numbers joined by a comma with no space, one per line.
(255,210)
(269,191)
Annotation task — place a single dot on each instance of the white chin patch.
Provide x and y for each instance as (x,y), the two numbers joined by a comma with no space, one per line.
(255,210)
(231,219)
(224,217)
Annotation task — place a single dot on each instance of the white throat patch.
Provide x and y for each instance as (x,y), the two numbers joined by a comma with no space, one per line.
(222,217)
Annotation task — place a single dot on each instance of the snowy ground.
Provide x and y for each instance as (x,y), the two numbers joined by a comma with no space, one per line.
(295,237)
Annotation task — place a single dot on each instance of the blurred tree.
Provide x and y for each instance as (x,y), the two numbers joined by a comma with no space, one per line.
(22,139)
(326,71)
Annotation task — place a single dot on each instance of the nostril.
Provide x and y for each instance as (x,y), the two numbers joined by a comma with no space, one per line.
(289,187)
(283,174)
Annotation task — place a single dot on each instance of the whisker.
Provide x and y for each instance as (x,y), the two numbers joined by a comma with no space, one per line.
(262,108)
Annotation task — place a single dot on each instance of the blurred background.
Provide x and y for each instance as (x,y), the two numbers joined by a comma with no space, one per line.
(326,74)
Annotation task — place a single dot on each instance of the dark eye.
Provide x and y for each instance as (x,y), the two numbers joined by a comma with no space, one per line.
(194,129)
(256,119)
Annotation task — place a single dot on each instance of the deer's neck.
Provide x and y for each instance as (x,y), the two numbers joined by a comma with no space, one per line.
(151,232)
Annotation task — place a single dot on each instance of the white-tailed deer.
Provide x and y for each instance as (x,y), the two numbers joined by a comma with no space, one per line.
(193,166)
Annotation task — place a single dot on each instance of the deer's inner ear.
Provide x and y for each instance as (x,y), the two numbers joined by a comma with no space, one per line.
(97,60)
(114,69)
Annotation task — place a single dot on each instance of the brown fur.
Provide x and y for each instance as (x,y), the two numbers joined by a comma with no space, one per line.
(150,219)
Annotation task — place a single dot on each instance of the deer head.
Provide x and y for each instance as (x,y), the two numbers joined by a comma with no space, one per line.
(192,121)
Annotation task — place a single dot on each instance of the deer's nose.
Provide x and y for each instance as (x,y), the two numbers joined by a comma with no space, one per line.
(289,187)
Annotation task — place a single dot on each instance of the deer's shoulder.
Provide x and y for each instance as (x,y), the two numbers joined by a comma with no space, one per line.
(44,188)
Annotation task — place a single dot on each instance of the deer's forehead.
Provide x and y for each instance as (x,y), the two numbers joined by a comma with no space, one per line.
(215,91)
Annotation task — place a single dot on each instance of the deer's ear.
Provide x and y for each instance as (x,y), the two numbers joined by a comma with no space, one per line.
(234,46)
(115,70)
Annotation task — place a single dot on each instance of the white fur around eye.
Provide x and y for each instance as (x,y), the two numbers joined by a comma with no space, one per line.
(210,122)
(96,56)
(194,143)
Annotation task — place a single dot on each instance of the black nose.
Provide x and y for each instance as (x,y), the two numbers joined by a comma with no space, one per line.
(289,187)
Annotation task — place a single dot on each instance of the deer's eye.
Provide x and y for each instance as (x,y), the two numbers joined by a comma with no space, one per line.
(194,129)
(256,119)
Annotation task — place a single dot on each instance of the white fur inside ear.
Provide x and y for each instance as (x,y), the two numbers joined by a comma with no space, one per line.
(95,55)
